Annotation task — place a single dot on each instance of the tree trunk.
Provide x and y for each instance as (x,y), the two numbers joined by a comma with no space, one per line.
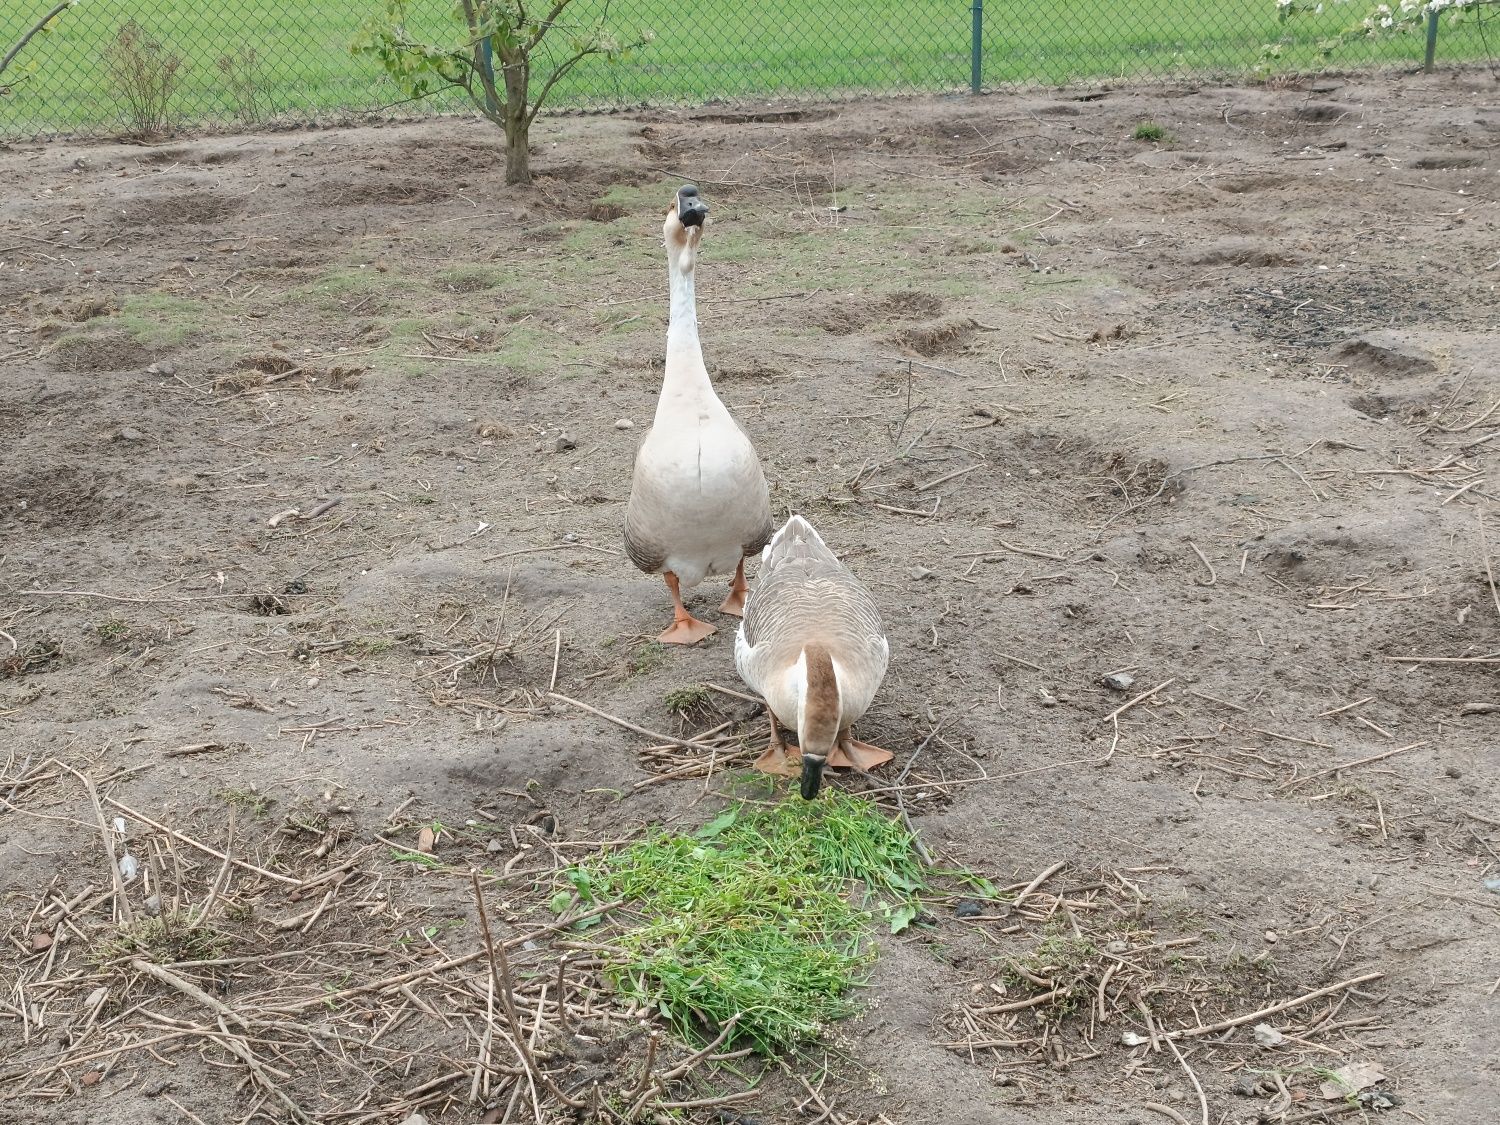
(517,73)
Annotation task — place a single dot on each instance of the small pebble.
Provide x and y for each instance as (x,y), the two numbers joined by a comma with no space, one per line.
(920,573)
(1116,947)
(162,368)
(130,433)
(1047,698)
(41,942)
(968,908)
(624,424)
(1118,681)
(314,681)
(564,443)
(1271,936)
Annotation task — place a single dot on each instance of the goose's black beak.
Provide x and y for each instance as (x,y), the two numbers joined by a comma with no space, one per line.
(691,210)
(812,775)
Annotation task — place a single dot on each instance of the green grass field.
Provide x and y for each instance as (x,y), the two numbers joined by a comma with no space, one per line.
(702,51)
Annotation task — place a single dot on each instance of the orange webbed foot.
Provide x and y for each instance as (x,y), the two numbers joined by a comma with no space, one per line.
(850,753)
(686,631)
(779,761)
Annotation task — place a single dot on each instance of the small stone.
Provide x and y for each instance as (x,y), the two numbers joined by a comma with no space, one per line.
(1116,947)
(624,424)
(1047,698)
(1118,681)
(1271,936)
(415,1119)
(968,908)
(426,841)
(162,367)
(153,905)
(1267,1036)
(494,845)
(130,433)
(563,444)
(314,681)
(920,573)
(41,942)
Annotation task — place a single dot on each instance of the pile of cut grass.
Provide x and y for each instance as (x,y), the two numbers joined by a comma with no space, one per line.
(764,914)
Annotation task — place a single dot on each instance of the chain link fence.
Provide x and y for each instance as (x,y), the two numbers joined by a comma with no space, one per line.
(257,63)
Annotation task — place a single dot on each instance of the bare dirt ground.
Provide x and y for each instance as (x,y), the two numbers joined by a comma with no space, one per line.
(1216,413)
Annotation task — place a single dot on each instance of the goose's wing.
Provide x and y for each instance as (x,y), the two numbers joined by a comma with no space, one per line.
(645,517)
(805,595)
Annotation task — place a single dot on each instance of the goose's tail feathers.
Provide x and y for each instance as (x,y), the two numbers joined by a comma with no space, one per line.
(796,539)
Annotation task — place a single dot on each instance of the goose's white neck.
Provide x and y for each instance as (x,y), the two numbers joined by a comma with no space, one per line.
(686,374)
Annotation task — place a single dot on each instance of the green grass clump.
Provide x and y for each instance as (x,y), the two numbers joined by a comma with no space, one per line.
(684,701)
(756,915)
(171,938)
(246,800)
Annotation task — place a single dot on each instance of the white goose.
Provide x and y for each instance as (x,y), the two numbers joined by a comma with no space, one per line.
(698,500)
(813,645)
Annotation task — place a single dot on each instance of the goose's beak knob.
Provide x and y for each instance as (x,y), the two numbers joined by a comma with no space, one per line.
(812,775)
(691,210)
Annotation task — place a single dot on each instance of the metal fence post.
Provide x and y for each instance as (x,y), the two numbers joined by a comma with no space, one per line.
(1432,25)
(976,49)
(487,53)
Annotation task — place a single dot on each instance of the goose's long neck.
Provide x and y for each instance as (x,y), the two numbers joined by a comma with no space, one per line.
(686,374)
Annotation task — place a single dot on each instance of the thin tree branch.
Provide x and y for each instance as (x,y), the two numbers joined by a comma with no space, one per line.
(546,24)
(552,78)
(39,26)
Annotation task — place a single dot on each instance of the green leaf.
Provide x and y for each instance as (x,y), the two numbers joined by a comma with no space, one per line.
(559,902)
(903,916)
(718,824)
(580,880)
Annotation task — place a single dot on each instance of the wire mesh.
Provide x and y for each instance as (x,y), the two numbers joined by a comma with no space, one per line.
(256,63)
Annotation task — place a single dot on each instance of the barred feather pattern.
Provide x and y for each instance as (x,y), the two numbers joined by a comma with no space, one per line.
(805,596)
